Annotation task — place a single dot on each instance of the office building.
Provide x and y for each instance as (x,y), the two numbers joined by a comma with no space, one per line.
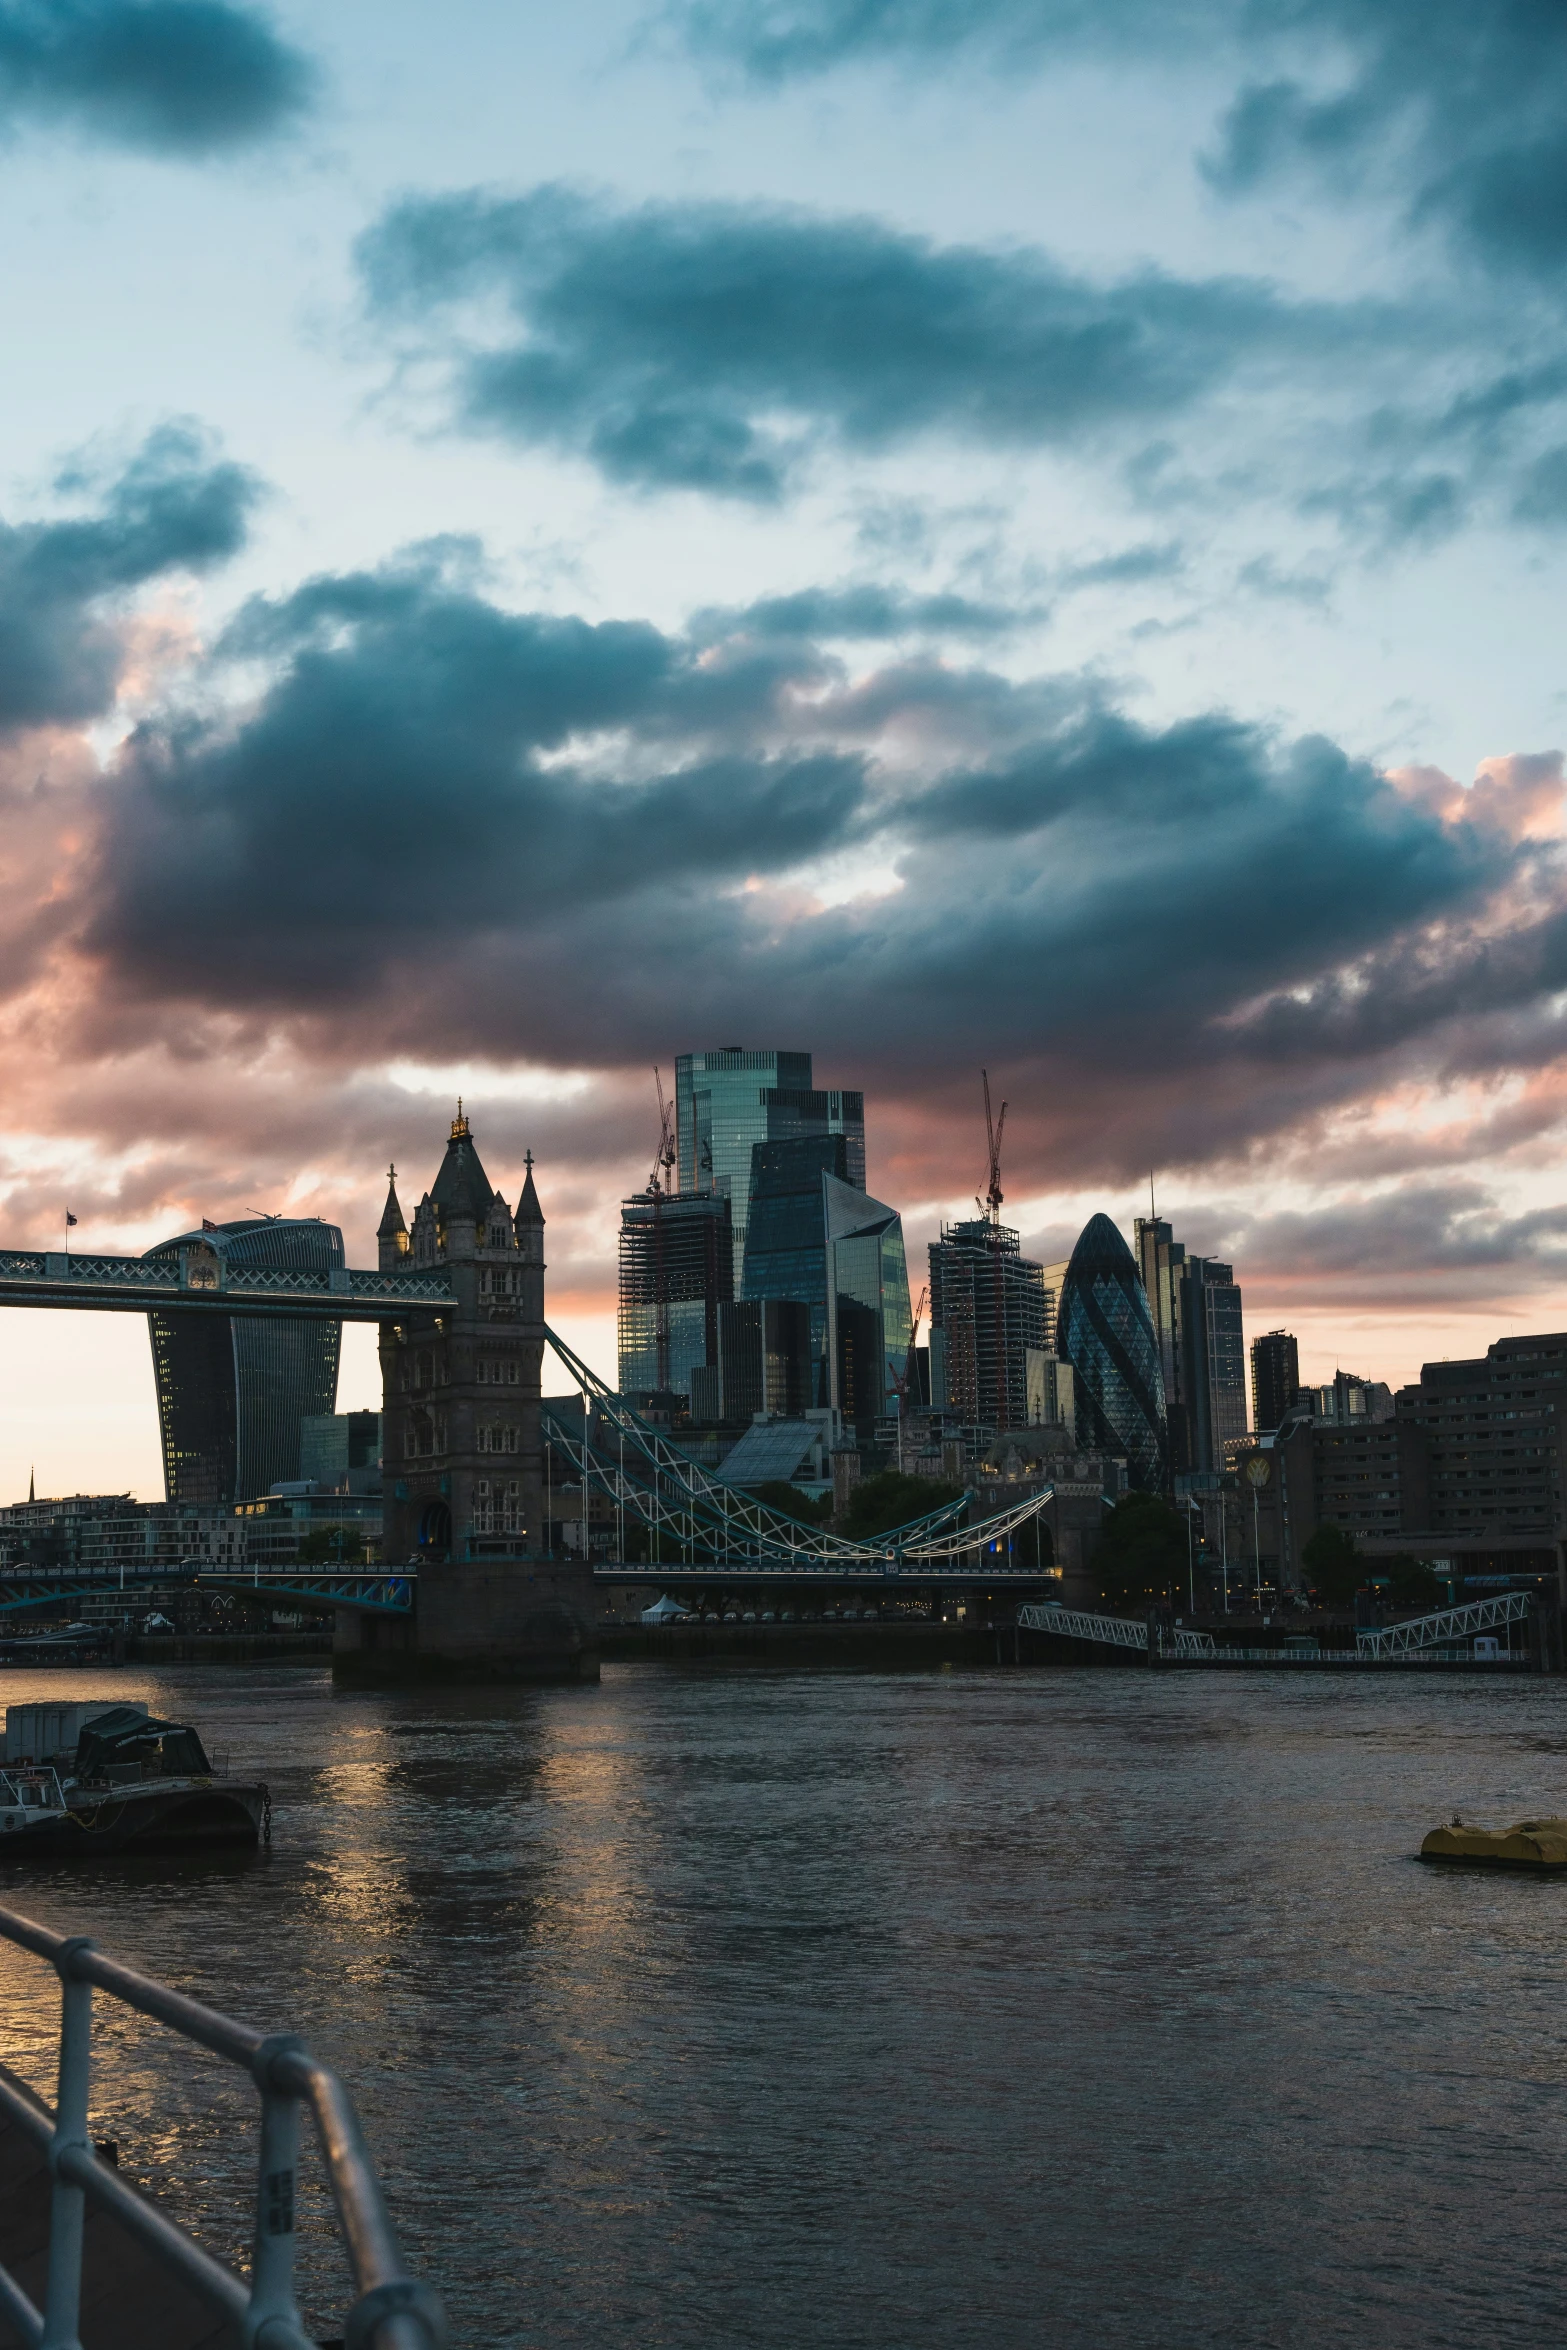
(1212,1362)
(1275,1379)
(988,1313)
(676,1276)
(729,1101)
(1195,1308)
(819,1239)
(232,1392)
(1051,1400)
(341,1451)
(1105,1331)
(764,1360)
(1347,1401)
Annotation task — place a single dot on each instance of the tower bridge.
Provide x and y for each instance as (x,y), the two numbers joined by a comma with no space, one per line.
(469,1448)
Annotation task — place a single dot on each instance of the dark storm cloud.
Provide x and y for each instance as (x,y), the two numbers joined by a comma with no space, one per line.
(443,828)
(1460,110)
(173,508)
(175,77)
(707,346)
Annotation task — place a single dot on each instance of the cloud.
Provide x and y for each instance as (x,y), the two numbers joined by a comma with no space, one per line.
(1459,111)
(180,78)
(445,829)
(714,346)
(63,583)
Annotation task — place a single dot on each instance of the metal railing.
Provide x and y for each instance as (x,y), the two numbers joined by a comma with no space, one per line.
(391,2310)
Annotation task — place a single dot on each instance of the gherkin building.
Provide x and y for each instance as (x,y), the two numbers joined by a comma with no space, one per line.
(1104,1329)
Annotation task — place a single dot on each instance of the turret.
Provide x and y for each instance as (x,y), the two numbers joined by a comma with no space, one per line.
(391,1234)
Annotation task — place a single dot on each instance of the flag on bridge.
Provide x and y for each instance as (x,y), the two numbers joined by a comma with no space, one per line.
(69,1219)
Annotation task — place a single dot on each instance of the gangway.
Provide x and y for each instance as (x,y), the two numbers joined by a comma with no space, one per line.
(1445,1625)
(1070,1623)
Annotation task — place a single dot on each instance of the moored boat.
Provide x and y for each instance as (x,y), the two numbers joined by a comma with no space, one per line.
(103,1778)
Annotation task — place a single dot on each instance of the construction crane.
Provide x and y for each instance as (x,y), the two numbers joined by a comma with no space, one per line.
(663,1164)
(990,1208)
(991,1203)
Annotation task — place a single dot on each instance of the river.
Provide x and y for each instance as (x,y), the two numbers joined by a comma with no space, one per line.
(877,2012)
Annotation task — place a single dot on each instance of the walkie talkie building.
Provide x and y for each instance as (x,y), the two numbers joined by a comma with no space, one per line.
(1104,1329)
(231,1393)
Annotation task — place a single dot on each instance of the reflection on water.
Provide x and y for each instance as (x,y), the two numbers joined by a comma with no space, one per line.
(885,2012)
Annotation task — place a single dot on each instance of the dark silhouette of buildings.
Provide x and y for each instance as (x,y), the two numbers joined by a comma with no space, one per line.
(1275,1379)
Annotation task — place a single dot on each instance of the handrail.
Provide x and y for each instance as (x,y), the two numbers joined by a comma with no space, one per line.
(391,2310)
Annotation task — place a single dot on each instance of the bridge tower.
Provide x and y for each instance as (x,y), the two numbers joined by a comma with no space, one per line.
(462,1455)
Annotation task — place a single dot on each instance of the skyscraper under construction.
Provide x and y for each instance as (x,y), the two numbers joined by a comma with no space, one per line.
(676,1271)
(988,1309)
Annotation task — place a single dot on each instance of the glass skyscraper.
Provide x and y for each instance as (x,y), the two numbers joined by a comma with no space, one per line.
(232,1392)
(728,1101)
(1105,1331)
(818,1238)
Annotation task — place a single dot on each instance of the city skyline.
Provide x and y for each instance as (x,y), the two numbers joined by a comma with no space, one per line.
(970,538)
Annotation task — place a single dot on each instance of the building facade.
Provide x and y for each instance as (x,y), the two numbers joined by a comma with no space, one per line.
(989,1314)
(1195,1308)
(765,1365)
(676,1276)
(341,1450)
(1275,1379)
(729,1101)
(232,1393)
(1481,1444)
(1105,1331)
(1212,1363)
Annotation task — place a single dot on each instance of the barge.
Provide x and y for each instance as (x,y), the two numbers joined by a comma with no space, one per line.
(79,1780)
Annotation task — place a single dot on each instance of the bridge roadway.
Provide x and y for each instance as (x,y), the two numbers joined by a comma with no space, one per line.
(393,1590)
(199,1279)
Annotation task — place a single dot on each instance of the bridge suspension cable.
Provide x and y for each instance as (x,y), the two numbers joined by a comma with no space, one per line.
(670,1492)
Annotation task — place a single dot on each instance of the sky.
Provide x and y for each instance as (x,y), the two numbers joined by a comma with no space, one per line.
(1015,535)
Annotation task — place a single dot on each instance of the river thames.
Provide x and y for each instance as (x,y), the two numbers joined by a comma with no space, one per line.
(873,2011)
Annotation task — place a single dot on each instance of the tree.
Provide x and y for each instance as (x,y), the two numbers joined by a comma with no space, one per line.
(892,1499)
(790,1502)
(332,1546)
(1332,1560)
(1413,1582)
(1142,1553)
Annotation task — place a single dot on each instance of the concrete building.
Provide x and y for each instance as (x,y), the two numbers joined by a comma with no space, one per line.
(101,1533)
(1481,1445)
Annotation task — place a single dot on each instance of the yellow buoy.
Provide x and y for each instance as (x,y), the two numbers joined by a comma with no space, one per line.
(1532,1844)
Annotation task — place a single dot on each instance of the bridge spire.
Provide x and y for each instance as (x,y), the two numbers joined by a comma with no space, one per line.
(392,1232)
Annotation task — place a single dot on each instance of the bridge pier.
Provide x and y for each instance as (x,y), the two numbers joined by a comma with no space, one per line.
(492,1619)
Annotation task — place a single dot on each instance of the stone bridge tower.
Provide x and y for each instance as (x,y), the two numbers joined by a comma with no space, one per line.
(462,1454)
